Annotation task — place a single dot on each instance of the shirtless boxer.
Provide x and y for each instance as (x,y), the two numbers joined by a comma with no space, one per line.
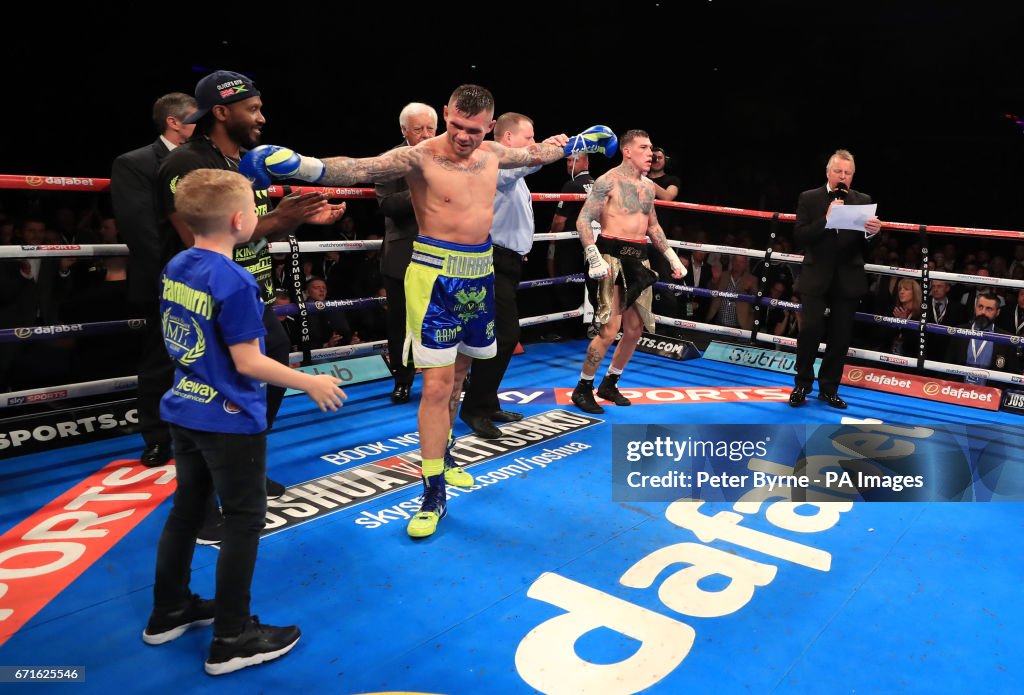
(449,285)
(623,202)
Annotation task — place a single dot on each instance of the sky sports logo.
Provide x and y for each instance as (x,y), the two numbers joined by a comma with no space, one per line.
(664,345)
(37,397)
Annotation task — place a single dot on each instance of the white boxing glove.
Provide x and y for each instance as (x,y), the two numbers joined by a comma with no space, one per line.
(597,266)
(678,269)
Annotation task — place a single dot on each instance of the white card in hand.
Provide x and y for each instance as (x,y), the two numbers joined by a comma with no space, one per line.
(850,216)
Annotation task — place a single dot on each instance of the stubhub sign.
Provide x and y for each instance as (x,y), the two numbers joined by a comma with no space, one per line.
(354,370)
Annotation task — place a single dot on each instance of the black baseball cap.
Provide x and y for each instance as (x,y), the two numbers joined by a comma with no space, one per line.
(221,87)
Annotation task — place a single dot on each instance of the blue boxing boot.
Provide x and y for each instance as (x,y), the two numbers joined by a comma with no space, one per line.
(432,510)
(454,474)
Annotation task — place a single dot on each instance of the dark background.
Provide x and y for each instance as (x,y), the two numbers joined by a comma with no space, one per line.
(748,100)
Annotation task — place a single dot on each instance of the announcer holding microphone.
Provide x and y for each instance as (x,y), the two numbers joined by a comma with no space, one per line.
(832,277)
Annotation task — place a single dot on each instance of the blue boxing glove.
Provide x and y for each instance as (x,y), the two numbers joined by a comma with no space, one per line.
(263,164)
(598,138)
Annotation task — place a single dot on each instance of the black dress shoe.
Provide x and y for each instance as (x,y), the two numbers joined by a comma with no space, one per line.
(833,400)
(274,489)
(155,455)
(481,426)
(401,393)
(506,416)
(799,396)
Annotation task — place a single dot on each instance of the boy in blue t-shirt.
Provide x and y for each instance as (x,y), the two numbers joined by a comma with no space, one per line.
(211,313)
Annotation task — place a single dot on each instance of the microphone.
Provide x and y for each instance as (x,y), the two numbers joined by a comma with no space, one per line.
(841,190)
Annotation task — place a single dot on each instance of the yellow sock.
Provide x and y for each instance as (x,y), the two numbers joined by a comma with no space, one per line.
(432,467)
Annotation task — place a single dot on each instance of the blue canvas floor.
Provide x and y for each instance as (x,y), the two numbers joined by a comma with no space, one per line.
(915,597)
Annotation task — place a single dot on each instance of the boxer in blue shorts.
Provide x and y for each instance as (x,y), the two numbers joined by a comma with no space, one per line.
(452,180)
(450,309)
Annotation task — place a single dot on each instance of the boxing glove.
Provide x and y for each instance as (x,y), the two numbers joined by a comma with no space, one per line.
(263,164)
(598,138)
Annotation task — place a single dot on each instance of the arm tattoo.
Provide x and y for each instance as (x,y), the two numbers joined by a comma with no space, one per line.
(592,208)
(530,156)
(344,171)
(657,235)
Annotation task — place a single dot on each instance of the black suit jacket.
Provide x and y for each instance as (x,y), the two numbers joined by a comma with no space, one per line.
(833,260)
(938,345)
(703,303)
(1004,357)
(28,302)
(133,191)
(400,227)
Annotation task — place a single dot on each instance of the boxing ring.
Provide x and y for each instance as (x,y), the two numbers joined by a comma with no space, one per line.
(915,597)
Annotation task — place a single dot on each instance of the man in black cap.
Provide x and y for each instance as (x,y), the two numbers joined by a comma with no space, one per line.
(229,121)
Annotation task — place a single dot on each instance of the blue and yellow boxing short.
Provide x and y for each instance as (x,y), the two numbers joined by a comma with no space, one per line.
(449,302)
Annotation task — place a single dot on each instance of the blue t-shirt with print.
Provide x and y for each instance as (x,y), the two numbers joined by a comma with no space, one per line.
(208,303)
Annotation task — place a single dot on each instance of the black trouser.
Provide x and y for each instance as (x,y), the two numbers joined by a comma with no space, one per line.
(395,288)
(156,377)
(233,466)
(278,346)
(481,397)
(837,338)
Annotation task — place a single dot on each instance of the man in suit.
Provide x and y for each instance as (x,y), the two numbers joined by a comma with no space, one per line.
(983,354)
(418,123)
(944,311)
(134,194)
(832,277)
(699,276)
(1013,321)
(32,291)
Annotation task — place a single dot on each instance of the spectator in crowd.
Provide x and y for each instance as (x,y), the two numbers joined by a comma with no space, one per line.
(328,328)
(979,353)
(789,326)
(1012,321)
(945,312)
(907,306)
(731,312)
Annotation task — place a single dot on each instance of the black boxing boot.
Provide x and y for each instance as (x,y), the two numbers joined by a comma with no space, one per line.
(583,397)
(609,390)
